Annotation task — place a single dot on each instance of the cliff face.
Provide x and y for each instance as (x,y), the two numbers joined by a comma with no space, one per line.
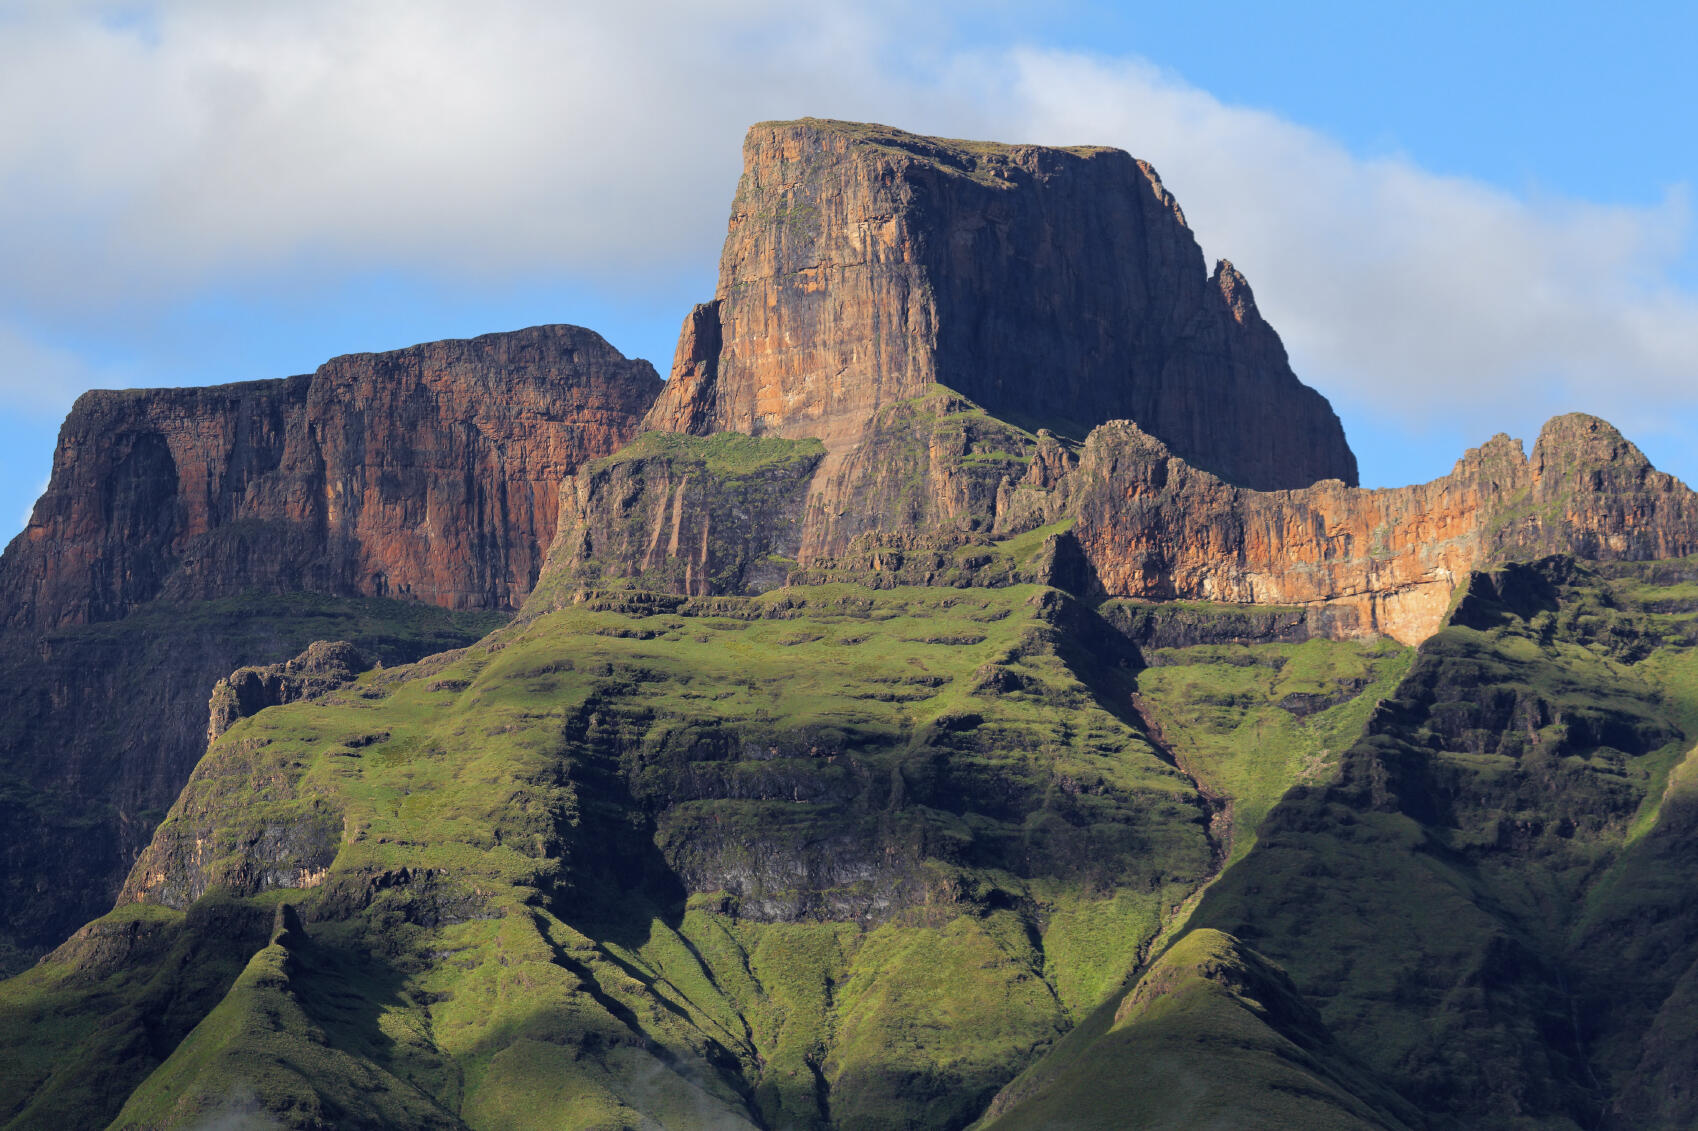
(938,492)
(188,532)
(431,472)
(1371,561)
(1054,287)
(683,514)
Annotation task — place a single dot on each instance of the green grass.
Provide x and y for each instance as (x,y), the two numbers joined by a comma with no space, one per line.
(725,455)
(1251,721)
(502,831)
(1460,902)
(80,787)
(1213,1035)
(843,856)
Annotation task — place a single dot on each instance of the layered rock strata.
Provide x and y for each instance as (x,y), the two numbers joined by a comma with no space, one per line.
(1054,287)
(431,472)
(683,514)
(944,494)
(189,532)
(1367,562)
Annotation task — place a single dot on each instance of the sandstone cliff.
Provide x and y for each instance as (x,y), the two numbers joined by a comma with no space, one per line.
(431,472)
(1367,562)
(937,492)
(189,532)
(1054,287)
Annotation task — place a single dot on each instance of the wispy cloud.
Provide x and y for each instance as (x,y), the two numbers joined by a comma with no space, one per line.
(1425,295)
(144,157)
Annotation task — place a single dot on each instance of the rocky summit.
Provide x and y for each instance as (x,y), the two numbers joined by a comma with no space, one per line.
(972,691)
(188,532)
(1056,288)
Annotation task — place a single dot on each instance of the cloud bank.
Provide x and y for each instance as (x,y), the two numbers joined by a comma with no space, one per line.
(148,154)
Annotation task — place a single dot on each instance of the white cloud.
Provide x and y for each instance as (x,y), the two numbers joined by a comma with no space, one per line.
(141,158)
(1405,290)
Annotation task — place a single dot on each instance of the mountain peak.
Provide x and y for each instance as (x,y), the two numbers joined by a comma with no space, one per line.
(1055,287)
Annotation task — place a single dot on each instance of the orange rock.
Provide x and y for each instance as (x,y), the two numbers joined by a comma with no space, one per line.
(1367,562)
(431,472)
(865,266)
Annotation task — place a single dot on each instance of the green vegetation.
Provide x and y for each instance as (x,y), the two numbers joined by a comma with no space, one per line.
(80,794)
(826,853)
(836,855)
(1251,721)
(724,455)
(1212,1035)
(1484,906)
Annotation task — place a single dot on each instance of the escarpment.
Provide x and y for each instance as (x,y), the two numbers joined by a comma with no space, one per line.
(430,473)
(1053,287)
(386,499)
(1371,561)
(962,324)
(940,492)
(984,610)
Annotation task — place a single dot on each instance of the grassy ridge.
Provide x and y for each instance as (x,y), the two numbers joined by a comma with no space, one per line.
(831,855)
(81,789)
(1460,904)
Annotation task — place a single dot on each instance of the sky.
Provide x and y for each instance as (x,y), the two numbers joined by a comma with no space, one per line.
(1462,218)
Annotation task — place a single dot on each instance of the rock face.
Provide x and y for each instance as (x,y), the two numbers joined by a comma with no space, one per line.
(684,514)
(1054,287)
(431,472)
(1368,562)
(188,532)
(324,666)
(936,490)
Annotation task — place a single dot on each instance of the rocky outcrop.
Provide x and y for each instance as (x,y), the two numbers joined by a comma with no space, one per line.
(937,491)
(1369,562)
(936,464)
(188,532)
(682,514)
(1054,287)
(431,473)
(325,666)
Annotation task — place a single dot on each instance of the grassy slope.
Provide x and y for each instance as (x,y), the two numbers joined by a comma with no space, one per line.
(1212,1035)
(75,755)
(1490,908)
(1252,720)
(1460,905)
(923,830)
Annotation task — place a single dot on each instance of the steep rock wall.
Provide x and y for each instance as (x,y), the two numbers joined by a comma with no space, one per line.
(188,532)
(682,514)
(431,472)
(1371,561)
(1054,287)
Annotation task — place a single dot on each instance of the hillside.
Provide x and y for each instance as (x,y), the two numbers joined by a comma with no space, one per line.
(917,714)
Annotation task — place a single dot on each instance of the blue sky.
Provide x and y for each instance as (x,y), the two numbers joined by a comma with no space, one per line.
(1462,219)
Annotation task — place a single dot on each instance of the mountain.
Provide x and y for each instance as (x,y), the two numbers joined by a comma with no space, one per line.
(429,472)
(924,714)
(1057,288)
(1489,903)
(187,532)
